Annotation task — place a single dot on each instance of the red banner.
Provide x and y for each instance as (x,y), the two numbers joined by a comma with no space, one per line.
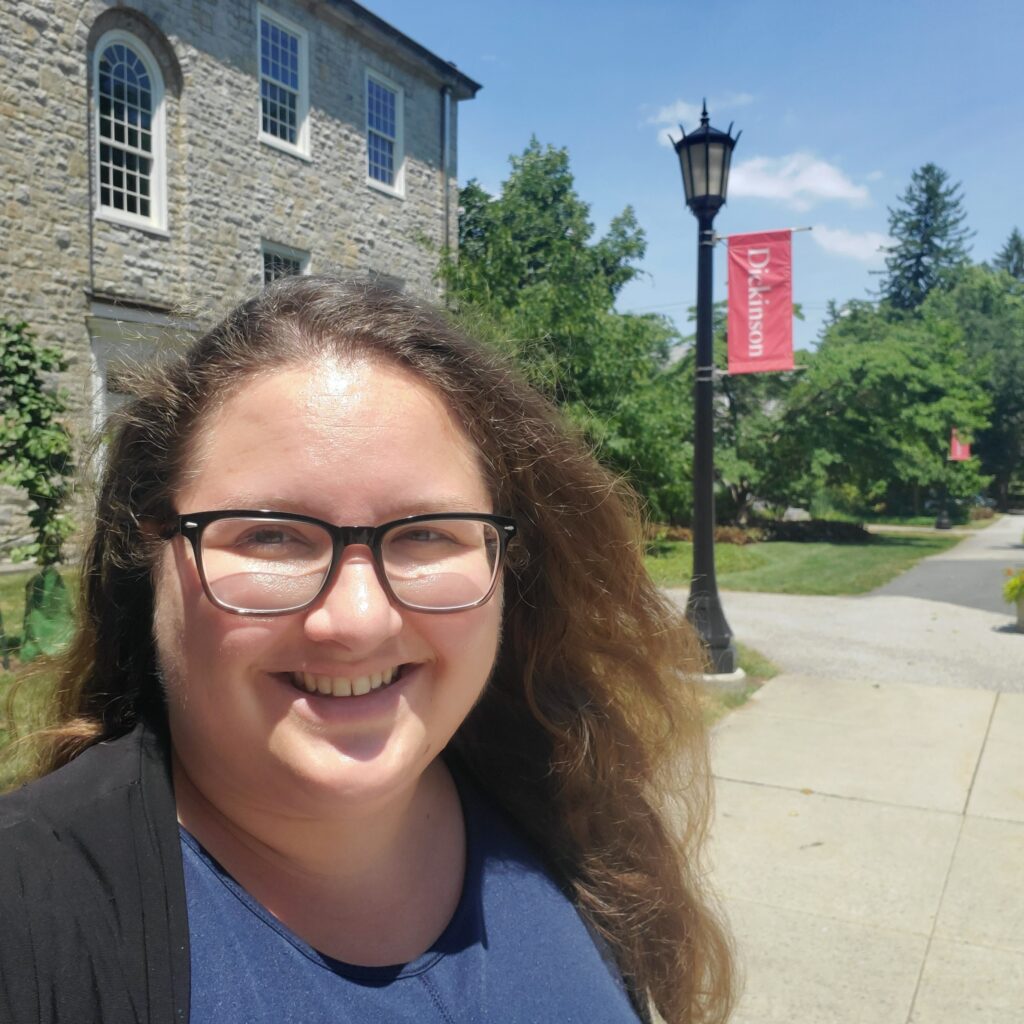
(959,451)
(760,302)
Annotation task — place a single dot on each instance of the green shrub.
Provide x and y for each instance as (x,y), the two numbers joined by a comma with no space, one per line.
(832,531)
(35,446)
(1013,588)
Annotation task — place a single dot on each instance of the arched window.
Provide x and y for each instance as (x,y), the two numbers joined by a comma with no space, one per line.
(130,161)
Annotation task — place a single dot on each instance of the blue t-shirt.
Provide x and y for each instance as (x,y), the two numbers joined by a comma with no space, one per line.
(515,951)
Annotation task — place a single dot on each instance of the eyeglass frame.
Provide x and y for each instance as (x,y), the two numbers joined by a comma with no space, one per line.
(191,527)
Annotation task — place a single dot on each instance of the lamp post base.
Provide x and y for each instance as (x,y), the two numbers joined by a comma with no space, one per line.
(705,613)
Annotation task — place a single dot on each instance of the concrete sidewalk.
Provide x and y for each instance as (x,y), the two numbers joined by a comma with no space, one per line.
(869,848)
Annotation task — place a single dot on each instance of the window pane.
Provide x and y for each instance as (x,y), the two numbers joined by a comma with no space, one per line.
(382,131)
(279,82)
(381,158)
(125,101)
(277,265)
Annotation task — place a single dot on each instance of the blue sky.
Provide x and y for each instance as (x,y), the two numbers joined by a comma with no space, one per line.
(838,104)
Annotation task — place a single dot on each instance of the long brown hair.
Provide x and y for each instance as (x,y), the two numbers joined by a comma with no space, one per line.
(589,733)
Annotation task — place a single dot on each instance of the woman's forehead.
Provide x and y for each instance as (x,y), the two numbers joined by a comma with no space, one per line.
(364,423)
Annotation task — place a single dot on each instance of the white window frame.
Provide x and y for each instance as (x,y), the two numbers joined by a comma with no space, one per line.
(286,252)
(301,147)
(156,222)
(398,188)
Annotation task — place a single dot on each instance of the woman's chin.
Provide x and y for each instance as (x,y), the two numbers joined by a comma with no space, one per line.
(331,771)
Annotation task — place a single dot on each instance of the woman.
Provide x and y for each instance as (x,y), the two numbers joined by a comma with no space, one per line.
(373,713)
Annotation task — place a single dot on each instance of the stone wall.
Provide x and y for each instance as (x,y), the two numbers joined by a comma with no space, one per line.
(227,192)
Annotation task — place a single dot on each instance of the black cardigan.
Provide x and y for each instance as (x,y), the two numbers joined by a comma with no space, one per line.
(93,919)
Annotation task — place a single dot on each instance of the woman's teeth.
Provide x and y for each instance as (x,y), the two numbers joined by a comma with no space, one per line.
(342,686)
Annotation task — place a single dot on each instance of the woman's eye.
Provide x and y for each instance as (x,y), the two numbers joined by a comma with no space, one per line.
(423,535)
(267,538)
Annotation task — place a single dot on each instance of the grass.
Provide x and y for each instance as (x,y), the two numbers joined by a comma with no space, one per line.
(784,567)
(959,517)
(718,703)
(755,664)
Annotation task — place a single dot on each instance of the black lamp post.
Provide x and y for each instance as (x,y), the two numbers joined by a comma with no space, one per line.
(704,157)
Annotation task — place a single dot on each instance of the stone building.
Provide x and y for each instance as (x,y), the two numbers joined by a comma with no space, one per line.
(163,158)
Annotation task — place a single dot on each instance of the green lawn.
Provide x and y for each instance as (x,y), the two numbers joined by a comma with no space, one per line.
(783,567)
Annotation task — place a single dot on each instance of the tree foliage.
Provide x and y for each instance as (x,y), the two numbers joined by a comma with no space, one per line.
(35,447)
(1011,257)
(873,413)
(749,417)
(988,308)
(868,419)
(929,239)
(531,276)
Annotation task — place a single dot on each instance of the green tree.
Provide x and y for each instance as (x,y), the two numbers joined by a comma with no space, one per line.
(929,239)
(873,413)
(1011,257)
(988,307)
(531,277)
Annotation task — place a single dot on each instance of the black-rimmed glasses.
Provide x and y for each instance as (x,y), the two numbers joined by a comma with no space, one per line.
(271,563)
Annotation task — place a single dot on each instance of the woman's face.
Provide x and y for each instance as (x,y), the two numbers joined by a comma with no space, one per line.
(352,443)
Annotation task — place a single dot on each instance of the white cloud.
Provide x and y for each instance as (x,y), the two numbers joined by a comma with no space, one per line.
(678,112)
(865,246)
(800,180)
(876,176)
(666,136)
(669,117)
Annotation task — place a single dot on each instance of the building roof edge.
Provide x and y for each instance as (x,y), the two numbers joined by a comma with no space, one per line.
(464,87)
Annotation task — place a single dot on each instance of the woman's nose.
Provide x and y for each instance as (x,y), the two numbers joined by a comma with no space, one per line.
(354,609)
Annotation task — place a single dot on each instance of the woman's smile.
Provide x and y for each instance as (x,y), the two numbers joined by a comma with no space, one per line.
(345,686)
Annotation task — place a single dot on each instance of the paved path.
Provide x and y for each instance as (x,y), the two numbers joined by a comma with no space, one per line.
(869,838)
(869,847)
(924,627)
(971,574)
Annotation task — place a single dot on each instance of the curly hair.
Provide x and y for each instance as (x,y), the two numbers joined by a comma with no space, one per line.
(589,733)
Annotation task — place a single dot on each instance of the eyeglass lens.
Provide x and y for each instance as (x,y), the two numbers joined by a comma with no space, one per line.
(261,565)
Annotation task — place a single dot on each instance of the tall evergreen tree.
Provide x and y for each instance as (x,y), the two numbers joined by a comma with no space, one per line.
(930,239)
(1011,257)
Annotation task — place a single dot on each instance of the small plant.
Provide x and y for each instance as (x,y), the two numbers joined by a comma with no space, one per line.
(35,447)
(36,457)
(1013,588)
